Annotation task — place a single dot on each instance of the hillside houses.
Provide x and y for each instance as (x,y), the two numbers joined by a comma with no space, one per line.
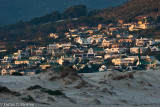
(87,49)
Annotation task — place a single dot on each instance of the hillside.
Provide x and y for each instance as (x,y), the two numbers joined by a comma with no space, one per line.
(132,9)
(42,26)
(11,11)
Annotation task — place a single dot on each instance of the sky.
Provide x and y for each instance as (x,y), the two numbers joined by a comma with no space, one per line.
(12,11)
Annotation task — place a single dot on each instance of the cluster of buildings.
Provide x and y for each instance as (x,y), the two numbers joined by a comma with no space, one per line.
(87,49)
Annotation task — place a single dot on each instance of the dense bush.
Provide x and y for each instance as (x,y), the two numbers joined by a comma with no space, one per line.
(74,12)
(6,90)
(28,98)
(50,92)
(17,74)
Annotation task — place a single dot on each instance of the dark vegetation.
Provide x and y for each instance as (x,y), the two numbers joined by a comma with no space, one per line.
(17,74)
(121,76)
(5,90)
(28,99)
(131,9)
(50,92)
(65,72)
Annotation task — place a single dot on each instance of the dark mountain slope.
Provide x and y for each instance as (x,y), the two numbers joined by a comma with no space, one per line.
(132,9)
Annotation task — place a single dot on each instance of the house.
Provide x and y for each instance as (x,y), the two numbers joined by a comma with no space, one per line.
(51,47)
(147,61)
(130,36)
(147,64)
(8,58)
(125,40)
(8,71)
(105,68)
(115,45)
(155,49)
(105,42)
(101,26)
(78,66)
(45,65)
(73,30)
(39,52)
(143,41)
(66,58)
(123,61)
(106,56)
(7,65)
(95,40)
(118,50)
(135,50)
(53,35)
(58,52)
(29,72)
(77,56)
(102,68)
(75,35)
(78,50)
(145,58)
(89,55)
(35,58)
(17,62)
(60,61)
(96,61)
(21,54)
(90,31)
(67,45)
(108,43)
(3,50)
(120,21)
(83,41)
(118,36)
(97,36)
(28,62)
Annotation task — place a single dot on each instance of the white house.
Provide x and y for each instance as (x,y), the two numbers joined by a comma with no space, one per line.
(118,50)
(102,68)
(155,49)
(123,61)
(83,41)
(8,71)
(54,35)
(135,50)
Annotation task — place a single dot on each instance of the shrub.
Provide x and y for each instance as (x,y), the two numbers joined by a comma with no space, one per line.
(17,74)
(28,98)
(6,90)
(50,92)
(34,87)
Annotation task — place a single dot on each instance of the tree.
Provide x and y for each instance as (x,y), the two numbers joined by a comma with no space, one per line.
(158,19)
(17,74)
(108,61)
(75,11)
(150,19)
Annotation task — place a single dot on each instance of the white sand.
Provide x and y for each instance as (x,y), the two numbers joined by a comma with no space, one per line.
(101,91)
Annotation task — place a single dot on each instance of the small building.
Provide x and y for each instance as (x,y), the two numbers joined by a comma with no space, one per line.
(8,71)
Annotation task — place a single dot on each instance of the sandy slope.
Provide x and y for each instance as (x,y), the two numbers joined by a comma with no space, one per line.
(89,90)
